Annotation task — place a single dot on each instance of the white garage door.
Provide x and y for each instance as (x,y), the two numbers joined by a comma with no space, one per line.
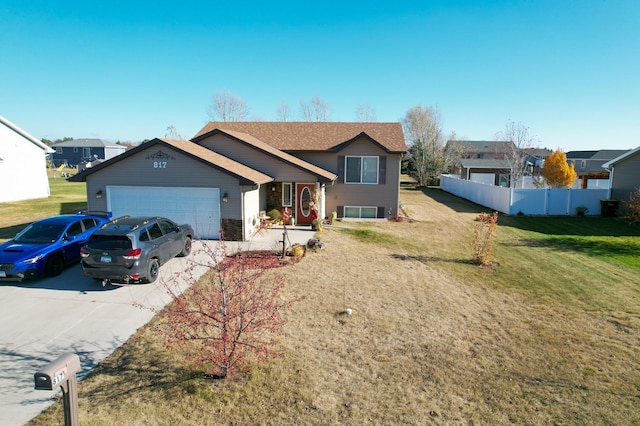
(199,207)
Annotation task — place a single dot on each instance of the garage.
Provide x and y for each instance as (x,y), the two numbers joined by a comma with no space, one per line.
(199,207)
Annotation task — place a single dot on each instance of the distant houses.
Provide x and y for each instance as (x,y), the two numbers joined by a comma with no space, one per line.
(79,152)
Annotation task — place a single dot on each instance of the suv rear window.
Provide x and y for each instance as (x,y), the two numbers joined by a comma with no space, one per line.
(109,242)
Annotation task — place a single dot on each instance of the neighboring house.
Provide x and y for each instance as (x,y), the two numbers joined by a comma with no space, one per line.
(535,158)
(231,171)
(588,165)
(483,161)
(23,164)
(78,151)
(485,170)
(625,174)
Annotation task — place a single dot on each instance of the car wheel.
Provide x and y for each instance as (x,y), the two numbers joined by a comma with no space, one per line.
(187,248)
(152,270)
(54,265)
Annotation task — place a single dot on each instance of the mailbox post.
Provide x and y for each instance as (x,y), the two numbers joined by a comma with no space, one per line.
(61,373)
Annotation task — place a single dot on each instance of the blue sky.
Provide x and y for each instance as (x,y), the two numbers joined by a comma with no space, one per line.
(126,70)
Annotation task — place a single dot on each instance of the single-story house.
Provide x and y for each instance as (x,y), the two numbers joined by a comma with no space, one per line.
(78,151)
(23,164)
(624,174)
(220,180)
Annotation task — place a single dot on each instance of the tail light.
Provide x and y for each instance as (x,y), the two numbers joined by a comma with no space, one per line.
(133,254)
(83,252)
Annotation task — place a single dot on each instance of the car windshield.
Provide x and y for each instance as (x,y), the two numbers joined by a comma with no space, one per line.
(39,233)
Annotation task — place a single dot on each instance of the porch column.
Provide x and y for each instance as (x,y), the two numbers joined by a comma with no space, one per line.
(321,207)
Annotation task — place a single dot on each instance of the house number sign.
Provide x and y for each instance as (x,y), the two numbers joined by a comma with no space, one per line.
(160,159)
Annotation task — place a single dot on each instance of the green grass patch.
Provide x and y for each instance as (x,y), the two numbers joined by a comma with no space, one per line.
(66,197)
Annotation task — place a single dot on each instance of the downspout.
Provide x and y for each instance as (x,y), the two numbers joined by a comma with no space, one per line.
(610,182)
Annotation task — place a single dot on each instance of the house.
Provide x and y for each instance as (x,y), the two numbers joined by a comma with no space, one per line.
(487,162)
(23,164)
(588,166)
(220,180)
(79,151)
(624,174)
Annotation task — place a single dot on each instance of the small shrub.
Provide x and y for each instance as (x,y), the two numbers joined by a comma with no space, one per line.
(274,215)
(483,238)
(632,207)
(582,210)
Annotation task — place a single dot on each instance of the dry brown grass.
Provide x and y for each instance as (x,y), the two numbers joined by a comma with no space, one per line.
(433,339)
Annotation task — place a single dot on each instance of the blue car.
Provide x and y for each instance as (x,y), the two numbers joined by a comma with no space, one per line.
(47,246)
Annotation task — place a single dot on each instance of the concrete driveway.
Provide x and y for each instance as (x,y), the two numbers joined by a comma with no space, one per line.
(45,318)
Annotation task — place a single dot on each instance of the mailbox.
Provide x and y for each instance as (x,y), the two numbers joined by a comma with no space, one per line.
(57,372)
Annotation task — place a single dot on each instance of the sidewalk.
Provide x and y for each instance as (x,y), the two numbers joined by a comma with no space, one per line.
(271,238)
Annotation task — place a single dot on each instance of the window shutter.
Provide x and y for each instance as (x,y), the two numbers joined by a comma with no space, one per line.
(381,213)
(382,171)
(340,211)
(340,168)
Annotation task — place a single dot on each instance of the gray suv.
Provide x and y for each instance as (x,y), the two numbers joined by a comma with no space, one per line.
(131,249)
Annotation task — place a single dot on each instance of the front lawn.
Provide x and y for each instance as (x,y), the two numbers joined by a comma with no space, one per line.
(548,335)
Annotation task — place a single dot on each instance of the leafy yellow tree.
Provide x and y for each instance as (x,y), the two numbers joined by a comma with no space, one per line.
(557,172)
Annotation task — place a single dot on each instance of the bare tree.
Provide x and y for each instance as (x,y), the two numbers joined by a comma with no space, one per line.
(317,110)
(226,106)
(365,114)
(283,113)
(520,138)
(172,133)
(426,141)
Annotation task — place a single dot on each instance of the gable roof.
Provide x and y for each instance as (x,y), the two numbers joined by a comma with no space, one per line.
(583,155)
(46,148)
(312,136)
(608,154)
(627,154)
(482,146)
(324,175)
(484,163)
(87,143)
(246,175)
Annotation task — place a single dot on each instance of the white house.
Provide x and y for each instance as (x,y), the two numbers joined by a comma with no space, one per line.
(23,164)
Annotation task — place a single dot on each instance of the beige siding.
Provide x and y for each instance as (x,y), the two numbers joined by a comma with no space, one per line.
(175,170)
(257,160)
(626,177)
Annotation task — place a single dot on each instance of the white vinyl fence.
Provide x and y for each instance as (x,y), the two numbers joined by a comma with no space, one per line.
(546,201)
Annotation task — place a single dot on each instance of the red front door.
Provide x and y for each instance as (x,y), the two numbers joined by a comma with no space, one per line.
(304,192)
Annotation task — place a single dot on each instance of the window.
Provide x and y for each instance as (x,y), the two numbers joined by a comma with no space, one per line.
(361,170)
(75,229)
(155,231)
(360,212)
(58,150)
(86,152)
(287,198)
(75,149)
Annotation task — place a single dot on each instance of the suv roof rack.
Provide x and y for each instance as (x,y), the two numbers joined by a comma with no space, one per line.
(113,221)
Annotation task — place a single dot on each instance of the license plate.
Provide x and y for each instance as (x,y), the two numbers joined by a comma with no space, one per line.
(105,259)
(3,274)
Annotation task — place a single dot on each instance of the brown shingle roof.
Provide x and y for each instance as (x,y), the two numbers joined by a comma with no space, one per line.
(218,160)
(274,152)
(314,136)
